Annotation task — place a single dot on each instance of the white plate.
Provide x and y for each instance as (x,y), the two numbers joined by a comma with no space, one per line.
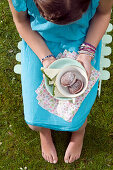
(60,64)
(80,74)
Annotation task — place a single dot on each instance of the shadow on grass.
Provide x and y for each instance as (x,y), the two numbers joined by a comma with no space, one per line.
(97,140)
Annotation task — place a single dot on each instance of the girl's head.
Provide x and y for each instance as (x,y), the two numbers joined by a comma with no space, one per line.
(62,11)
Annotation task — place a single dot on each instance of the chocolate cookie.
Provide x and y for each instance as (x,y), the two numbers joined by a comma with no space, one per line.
(68,78)
(76,87)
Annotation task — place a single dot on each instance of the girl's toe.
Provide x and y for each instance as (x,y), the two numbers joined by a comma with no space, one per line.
(50,158)
(72,159)
(55,160)
(66,158)
(77,157)
(44,156)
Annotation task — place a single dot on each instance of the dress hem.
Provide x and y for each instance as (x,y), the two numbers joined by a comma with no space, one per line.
(57,129)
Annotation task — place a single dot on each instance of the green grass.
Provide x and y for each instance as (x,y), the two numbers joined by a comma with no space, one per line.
(20,146)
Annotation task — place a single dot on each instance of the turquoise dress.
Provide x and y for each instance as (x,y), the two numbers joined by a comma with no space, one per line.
(58,38)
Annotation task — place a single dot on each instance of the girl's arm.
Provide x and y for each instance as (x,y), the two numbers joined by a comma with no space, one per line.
(32,38)
(97,28)
(99,22)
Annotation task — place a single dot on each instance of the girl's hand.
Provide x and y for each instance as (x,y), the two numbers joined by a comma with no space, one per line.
(48,61)
(85,60)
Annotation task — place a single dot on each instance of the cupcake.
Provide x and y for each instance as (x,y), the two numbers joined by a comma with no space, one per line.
(76,87)
(68,78)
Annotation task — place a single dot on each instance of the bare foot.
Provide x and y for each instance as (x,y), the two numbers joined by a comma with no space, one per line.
(47,146)
(74,148)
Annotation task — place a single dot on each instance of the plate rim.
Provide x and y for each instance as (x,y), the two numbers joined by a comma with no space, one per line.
(55,62)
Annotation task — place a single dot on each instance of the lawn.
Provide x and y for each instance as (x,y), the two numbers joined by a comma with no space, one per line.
(19,145)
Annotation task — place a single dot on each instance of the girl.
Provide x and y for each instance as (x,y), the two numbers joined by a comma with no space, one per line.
(47,27)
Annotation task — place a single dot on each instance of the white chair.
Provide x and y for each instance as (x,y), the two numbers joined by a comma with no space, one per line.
(104,61)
